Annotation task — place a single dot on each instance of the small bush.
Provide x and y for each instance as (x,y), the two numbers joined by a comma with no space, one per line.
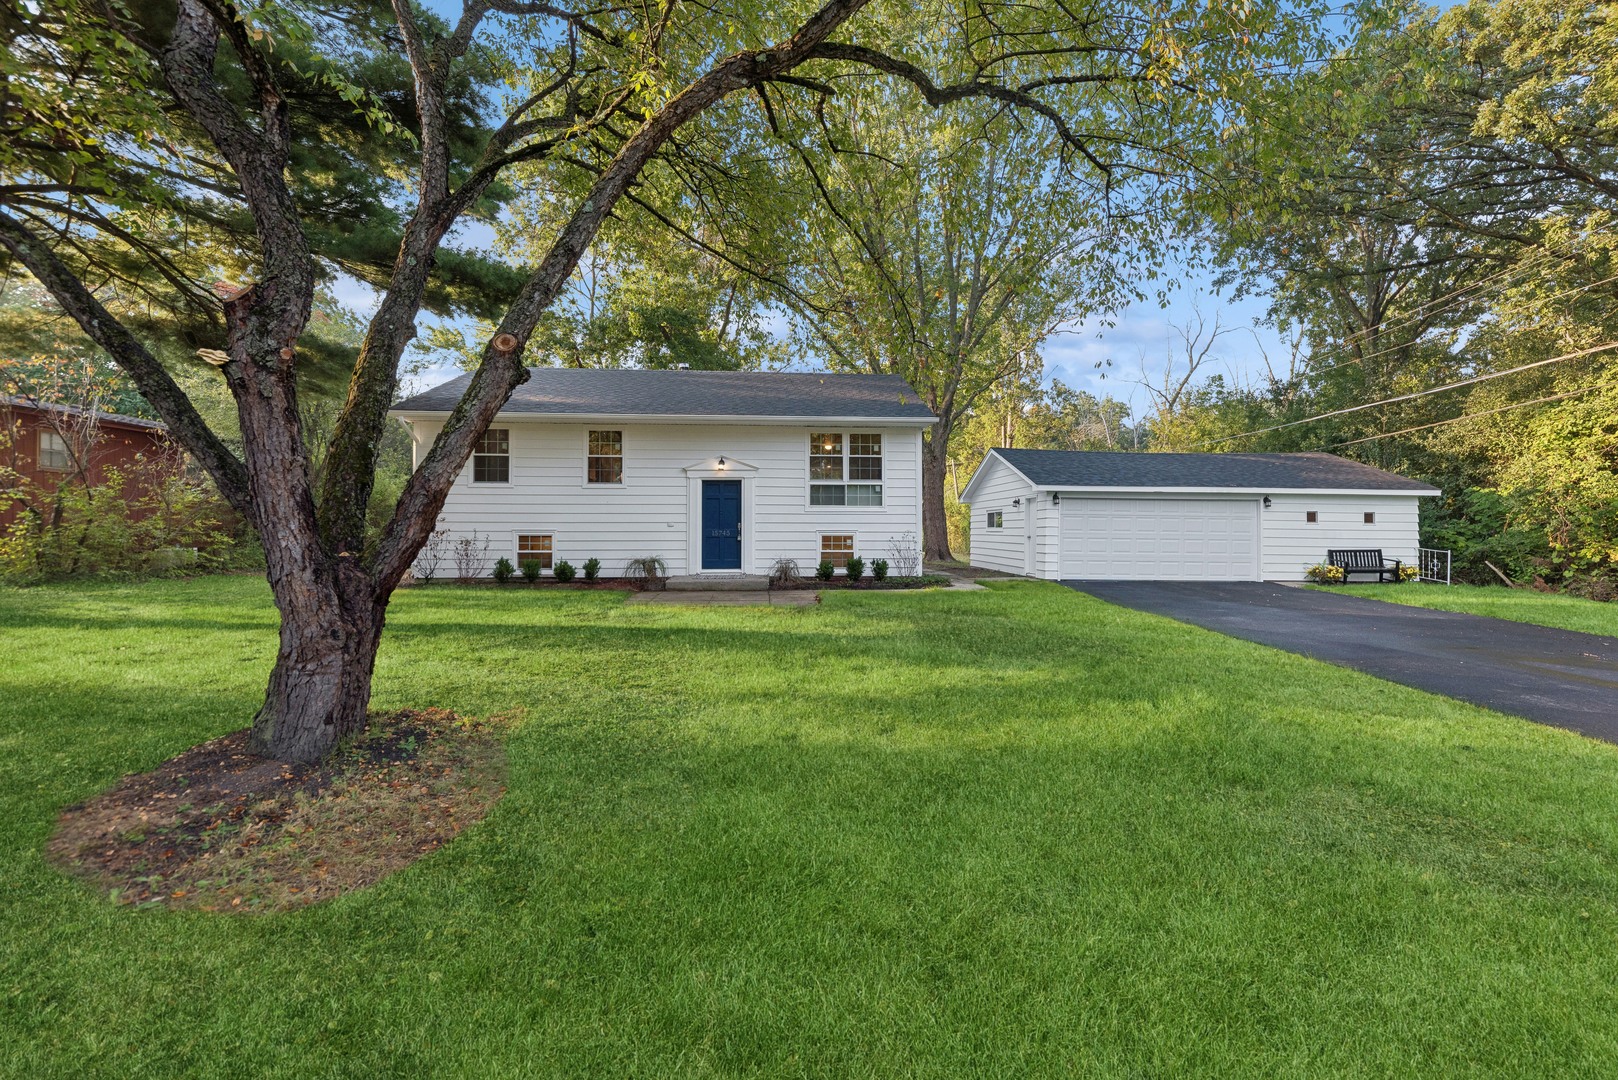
(855,568)
(785,573)
(825,570)
(592,568)
(1325,573)
(503,570)
(531,569)
(879,569)
(1409,573)
(647,572)
(563,571)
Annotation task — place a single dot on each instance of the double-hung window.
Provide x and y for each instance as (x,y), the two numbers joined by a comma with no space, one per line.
(845,470)
(53,453)
(491,459)
(604,464)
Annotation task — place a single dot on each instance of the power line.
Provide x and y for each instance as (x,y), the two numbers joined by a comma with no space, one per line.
(1396,348)
(1411,397)
(1471,416)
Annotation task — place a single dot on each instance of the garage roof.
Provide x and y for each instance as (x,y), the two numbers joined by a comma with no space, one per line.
(1081,469)
(633,392)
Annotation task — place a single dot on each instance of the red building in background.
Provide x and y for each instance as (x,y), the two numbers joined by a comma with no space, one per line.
(43,446)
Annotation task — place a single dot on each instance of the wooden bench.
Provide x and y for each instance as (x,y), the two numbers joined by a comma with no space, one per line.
(1364,561)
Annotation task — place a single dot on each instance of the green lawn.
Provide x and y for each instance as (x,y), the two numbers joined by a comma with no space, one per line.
(1518,605)
(1010,833)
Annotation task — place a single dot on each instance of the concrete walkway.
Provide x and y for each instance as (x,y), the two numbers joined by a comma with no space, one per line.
(1557,677)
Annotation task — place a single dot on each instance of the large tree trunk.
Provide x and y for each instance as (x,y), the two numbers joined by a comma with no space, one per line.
(321,683)
(934,472)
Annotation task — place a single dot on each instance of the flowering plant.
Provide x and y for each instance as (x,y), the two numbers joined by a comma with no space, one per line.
(1409,573)
(1325,573)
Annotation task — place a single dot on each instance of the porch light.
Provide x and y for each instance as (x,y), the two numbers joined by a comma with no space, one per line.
(1056,496)
(721,464)
(1266,502)
(1016,502)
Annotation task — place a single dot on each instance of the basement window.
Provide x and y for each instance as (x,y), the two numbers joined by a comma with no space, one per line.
(491,459)
(1370,518)
(836,549)
(534,548)
(1311,516)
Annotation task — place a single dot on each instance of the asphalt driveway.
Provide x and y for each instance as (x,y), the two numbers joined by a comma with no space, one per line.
(1557,677)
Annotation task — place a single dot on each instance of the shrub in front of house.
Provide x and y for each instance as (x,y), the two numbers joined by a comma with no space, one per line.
(855,568)
(647,572)
(592,568)
(825,570)
(879,569)
(503,570)
(531,569)
(1325,573)
(563,571)
(1409,573)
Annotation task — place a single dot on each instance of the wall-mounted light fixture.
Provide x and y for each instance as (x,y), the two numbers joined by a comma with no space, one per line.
(1266,502)
(1016,502)
(1056,496)
(722,469)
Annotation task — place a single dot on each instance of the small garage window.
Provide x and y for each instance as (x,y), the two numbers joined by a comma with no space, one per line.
(996,519)
(1370,518)
(1311,516)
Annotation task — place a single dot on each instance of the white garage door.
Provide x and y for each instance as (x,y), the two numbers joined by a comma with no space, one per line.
(1160,539)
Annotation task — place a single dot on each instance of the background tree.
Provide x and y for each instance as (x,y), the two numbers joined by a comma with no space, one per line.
(129,125)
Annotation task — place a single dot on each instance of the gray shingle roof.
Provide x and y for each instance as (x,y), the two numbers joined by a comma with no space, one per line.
(1105,468)
(639,392)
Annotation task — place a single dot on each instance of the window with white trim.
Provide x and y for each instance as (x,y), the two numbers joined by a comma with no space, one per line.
(1312,516)
(1370,517)
(845,470)
(605,462)
(491,459)
(836,549)
(996,519)
(534,548)
(53,453)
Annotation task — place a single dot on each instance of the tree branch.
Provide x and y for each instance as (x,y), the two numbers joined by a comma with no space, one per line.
(153,382)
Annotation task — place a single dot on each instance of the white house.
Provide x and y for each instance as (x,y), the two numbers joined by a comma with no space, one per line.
(717,472)
(1066,514)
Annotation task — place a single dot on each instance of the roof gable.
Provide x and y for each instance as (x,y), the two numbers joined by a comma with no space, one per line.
(1080,469)
(593,392)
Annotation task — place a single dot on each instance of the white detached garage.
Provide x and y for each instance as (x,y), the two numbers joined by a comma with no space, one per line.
(1099,515)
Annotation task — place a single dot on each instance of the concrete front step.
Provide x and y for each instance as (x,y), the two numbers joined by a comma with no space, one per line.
(719,583)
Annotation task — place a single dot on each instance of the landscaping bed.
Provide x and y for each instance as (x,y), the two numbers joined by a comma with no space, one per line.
(865,584)
(221,829)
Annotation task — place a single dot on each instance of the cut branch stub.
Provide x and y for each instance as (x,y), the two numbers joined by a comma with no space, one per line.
(505,343)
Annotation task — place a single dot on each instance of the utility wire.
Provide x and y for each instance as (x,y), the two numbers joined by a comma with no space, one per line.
(1411,397)
(1396,348)
(1471,416)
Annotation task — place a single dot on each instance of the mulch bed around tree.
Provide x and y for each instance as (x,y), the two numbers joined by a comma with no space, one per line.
(220,829)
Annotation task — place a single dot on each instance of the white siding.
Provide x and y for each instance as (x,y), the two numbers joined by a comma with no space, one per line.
(1292,543)
(1001,549)
(655,510)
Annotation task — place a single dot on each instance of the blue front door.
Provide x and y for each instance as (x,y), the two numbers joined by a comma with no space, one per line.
(721,524)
